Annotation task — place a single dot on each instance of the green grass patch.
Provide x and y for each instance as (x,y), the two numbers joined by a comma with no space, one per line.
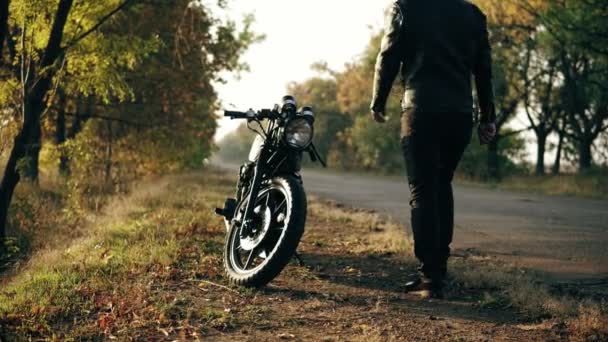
(148,238)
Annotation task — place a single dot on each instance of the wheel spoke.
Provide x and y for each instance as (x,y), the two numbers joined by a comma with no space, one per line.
(279,207)
(272,201)
(250,258)
(267,198)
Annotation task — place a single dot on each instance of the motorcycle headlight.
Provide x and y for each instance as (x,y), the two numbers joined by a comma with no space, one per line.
(298,133)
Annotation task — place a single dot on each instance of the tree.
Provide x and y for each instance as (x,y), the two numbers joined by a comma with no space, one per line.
(561,126)
(510,29)
(174,94)
(34,90)
(579,37)
(582,23)
(586,103)
(507,100)
(539,72)
(580,33)
(89,71)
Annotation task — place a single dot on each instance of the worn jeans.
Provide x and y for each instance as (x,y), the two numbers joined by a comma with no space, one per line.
(433,144)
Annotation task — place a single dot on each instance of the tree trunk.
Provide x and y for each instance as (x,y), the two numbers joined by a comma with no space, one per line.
(493,160)
(558,154)
(60,135)
(4,7)
(77,121)
(34,106)
(541,142)
(32,150)
(584,155)
(9,182)
(11,174)
(108,166)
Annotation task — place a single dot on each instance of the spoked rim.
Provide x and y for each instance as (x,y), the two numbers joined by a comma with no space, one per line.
(272,214)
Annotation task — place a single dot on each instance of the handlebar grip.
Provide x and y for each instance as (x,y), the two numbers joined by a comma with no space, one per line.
(235,115)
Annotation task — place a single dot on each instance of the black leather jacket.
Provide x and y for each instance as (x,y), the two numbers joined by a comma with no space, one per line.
(438,44)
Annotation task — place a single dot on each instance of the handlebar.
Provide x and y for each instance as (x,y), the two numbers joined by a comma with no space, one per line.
(251,115)
(235,115)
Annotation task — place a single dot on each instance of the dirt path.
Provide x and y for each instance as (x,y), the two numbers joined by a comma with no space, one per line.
(565,237)
(351,290)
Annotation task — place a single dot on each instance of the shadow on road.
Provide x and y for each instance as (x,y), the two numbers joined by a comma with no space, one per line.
(368,281)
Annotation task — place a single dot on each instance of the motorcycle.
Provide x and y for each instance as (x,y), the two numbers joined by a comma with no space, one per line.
(266,220)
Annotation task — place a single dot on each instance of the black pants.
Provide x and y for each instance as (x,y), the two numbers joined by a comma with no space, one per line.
(433,144)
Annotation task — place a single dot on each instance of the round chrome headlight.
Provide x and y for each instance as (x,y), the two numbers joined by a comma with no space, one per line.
(298,133)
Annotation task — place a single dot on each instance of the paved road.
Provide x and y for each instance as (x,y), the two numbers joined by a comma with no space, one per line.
(564,236)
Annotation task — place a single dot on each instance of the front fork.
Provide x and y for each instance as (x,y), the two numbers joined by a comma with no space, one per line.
(230,206)
(256,184)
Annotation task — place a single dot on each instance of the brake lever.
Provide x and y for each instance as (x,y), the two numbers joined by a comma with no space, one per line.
(313,152)
(313,157)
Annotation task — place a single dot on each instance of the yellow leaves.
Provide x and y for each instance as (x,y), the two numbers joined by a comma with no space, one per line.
(100,65)
(512,12)
(36,16)
(354,89)
(8,91)
(97,64)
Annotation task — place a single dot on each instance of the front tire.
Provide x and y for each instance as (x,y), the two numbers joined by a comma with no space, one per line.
(255,261)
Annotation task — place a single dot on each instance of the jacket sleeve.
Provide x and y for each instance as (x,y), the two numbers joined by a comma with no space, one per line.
(483,74)
(389,58)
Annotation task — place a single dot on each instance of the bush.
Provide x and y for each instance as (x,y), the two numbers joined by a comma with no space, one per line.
(474,163)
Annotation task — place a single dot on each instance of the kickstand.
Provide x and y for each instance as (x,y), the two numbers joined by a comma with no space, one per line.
(298,258)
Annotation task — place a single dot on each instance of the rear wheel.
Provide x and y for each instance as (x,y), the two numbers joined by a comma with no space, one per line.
(278,224)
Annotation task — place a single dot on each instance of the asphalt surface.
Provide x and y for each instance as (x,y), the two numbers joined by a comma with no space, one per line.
(564,237)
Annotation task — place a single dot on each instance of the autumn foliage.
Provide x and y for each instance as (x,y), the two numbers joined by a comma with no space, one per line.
(94,95)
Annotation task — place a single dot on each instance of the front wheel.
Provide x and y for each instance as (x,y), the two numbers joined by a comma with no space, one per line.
(278,224)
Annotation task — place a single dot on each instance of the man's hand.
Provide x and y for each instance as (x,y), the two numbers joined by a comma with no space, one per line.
(486,132)
(378,117)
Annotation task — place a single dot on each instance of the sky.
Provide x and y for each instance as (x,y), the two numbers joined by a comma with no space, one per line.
(298,34)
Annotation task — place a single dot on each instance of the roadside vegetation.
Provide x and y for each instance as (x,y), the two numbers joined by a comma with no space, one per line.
(149,266)
(593,184)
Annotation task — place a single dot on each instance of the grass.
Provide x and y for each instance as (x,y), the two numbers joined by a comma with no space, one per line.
(143,240)
(592,185)
(385,236)
(501,285)
(151,268)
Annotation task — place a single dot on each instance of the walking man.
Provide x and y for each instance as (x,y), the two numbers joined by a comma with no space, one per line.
(437,45)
